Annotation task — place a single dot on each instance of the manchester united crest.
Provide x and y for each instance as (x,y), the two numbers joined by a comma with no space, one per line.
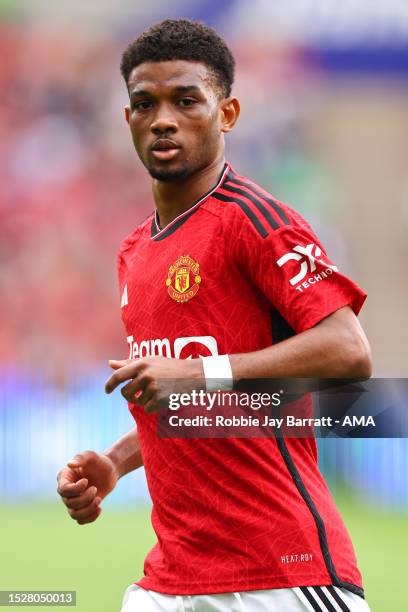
(183,279)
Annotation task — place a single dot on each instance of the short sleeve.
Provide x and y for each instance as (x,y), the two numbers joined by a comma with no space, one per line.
(295,273)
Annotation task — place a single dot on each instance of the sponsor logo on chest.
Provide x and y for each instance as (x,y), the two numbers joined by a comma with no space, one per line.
(189,347)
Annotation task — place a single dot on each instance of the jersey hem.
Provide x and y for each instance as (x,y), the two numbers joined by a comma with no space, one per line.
(233,587)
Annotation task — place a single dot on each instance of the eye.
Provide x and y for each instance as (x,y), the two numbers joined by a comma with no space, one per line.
(187,102)
(142,105)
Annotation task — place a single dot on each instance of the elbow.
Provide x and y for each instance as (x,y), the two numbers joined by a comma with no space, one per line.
(360,363)
(347,351)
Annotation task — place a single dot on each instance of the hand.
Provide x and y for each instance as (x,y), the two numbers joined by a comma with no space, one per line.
(82,485)
(153,379)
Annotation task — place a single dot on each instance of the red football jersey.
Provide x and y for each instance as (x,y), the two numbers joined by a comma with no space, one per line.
(237,272)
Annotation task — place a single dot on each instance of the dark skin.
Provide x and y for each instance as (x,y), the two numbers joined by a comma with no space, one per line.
(177,107)
(179,102)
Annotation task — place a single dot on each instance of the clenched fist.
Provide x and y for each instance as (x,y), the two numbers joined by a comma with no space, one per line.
(83,484)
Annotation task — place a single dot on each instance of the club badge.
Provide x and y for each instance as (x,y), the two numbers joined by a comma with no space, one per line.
(183,279)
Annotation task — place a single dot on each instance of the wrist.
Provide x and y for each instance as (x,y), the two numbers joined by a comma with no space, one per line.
(196,369)
(125,455)
(218,373)
(237,369)
(114,458)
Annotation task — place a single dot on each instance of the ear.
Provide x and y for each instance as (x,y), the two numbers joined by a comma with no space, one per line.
(127,113)
(230,109)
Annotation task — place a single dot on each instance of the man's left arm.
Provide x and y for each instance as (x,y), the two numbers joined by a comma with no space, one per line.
(334,348)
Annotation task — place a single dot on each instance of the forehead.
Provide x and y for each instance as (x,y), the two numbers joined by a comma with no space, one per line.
(170,74)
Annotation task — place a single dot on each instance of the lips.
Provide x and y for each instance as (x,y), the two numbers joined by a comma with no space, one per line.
(164,144)
(165,149)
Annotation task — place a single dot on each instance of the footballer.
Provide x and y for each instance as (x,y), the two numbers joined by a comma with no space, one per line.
(222,281)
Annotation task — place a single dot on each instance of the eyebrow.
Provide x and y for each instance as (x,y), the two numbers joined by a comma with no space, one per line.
(179,89)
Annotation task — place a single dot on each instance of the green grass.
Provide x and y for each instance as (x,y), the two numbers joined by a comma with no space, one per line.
(41,549)
(380,539)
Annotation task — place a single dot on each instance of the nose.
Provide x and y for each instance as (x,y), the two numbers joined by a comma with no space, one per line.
(164,121)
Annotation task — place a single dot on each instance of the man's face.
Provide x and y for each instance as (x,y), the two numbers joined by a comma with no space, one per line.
(174,117)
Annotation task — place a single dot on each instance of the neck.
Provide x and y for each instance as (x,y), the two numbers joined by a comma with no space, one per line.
(175,197)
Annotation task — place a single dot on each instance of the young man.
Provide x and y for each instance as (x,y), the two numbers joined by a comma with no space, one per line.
(221,281)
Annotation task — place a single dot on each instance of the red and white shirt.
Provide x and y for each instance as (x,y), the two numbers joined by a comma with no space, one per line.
(237,272)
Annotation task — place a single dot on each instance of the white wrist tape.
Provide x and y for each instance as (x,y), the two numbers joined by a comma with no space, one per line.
(218,373)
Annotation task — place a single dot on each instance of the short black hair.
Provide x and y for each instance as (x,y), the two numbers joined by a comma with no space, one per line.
(182,39)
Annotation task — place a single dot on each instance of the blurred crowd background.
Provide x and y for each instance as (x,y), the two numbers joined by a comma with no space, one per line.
(324,126)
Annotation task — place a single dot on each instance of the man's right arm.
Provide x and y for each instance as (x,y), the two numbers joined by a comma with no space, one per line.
(91,476)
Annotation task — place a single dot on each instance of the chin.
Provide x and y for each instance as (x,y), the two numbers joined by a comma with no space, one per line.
(167,175)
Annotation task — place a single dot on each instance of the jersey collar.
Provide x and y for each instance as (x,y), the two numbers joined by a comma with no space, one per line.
(158,234)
